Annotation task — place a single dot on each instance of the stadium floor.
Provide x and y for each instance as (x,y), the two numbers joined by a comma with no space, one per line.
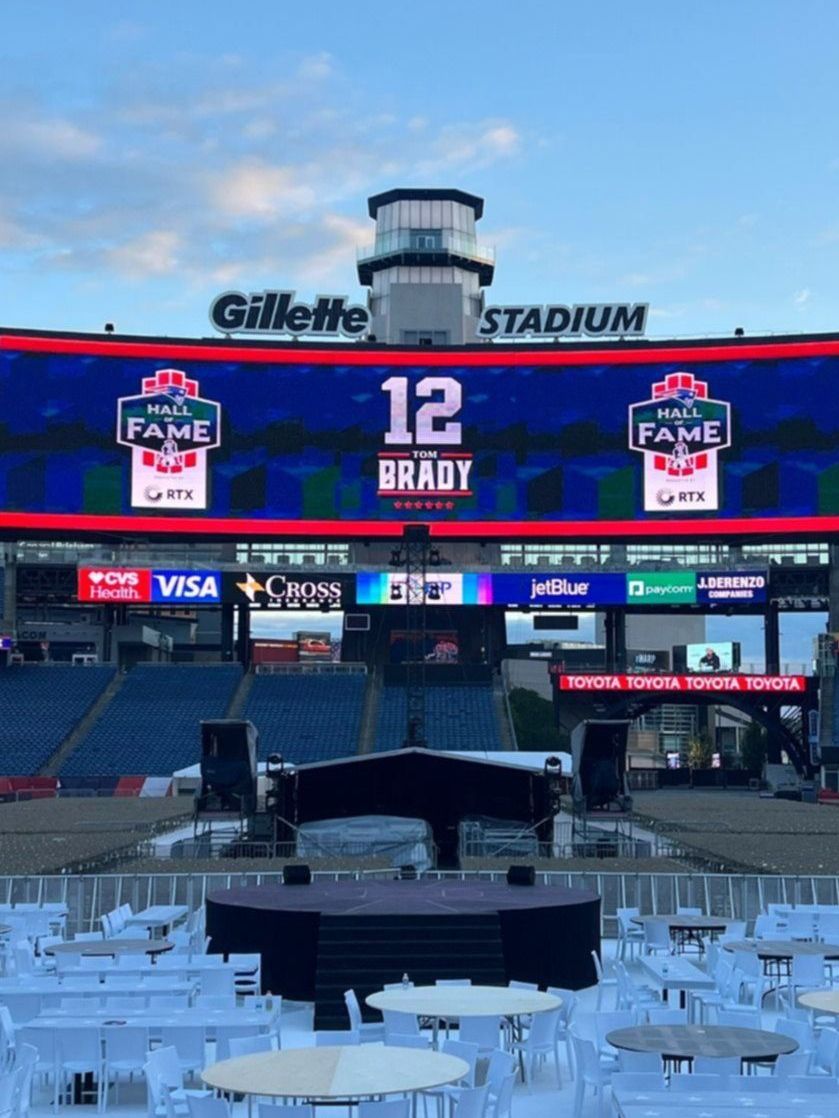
(543,1101)
(738,830)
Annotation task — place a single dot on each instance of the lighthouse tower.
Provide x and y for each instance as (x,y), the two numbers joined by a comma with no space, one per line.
(425,270)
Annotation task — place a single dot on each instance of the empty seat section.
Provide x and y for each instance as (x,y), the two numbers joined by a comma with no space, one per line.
(457,716)
(151,724)
(307,717)
(40,706)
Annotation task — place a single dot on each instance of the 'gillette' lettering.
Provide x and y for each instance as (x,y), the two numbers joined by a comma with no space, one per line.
(275,312)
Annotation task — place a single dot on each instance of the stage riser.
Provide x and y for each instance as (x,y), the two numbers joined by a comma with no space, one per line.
(364,954)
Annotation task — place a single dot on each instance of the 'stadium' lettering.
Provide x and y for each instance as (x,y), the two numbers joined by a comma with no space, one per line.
(276,312)
(596,320)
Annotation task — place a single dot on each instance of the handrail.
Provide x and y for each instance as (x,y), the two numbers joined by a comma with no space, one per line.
(737,896)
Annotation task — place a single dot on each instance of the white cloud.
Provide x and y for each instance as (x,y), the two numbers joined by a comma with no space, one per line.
(14,236)
(471,145)
(801,297)
(336,258)
(316,66)
(151,254)
(55,138)
(253,188)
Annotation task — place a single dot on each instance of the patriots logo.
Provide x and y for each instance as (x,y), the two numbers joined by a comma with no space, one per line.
(175,392)
(685,396)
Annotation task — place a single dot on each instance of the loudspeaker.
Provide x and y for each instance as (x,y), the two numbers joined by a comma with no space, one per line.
(521,875)
(228,766)
(297,875)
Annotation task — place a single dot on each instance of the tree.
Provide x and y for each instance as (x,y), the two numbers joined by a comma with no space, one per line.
(533,720)
(700,752)
(753,748)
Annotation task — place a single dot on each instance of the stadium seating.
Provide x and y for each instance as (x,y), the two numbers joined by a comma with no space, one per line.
(460,716)
(151,725)
(307,717)
(41,705)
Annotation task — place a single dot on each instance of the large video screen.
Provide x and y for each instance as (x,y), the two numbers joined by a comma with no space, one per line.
(100,435)
(718,656)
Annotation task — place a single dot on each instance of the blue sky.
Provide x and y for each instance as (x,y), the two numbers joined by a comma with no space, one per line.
(153,153)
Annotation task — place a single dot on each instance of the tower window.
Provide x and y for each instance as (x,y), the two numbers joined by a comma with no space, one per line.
(427,239)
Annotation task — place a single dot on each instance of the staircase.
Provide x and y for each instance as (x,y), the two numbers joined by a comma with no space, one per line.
(82,728)
(370,714)
(240,696)
(502,715)
(365,952)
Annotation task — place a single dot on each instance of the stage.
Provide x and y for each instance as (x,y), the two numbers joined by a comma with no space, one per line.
(318,940)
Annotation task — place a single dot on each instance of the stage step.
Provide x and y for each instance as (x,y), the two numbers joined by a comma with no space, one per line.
(365,952)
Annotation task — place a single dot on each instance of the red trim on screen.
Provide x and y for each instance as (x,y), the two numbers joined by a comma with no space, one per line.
(502,355)
(448,529)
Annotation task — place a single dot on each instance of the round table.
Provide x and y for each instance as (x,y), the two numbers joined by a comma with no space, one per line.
(822,1001)
(106,947)
(684,1042)
(450,1002)
(352,1072)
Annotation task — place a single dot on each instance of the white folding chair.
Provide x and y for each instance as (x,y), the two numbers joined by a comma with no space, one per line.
(248,1045)
(78,1051)
(589,1072)
(483,1031)
(189,1042)
(208,1106)
(399,1024)
(126,1052)
(367,1031)
(541,1041)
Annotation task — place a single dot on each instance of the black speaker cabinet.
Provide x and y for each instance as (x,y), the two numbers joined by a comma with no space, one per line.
(521,875)
(297,875)
(228,766)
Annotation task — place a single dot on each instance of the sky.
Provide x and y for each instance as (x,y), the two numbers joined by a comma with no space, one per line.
(153,154)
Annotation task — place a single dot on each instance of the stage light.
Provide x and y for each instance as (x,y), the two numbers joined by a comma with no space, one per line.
(109,327)
(739,332)
(553,784)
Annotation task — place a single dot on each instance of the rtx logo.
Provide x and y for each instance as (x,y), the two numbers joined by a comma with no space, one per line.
(113,584)
(186,586)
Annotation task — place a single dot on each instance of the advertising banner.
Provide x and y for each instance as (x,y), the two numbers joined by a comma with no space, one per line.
(375,588)
(657,588)
(691,684)
(285,590)
(246,439)
(559,589)
(743,587)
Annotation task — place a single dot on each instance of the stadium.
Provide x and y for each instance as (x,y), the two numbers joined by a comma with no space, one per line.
(362,641)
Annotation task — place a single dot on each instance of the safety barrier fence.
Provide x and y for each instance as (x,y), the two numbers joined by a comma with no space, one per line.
(738,896)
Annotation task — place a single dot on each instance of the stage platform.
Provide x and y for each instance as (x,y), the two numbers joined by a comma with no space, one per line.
(318,940)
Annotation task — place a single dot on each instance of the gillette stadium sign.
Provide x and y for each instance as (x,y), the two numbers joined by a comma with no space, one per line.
(593,320)
(277,312)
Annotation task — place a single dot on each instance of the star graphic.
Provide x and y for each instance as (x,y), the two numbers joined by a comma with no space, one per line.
(250,587)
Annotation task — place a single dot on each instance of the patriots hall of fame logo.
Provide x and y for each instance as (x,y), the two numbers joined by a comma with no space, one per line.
(680,432)
(170,430)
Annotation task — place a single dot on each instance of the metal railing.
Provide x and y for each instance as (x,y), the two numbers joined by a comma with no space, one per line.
(736,896)
(403,240)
